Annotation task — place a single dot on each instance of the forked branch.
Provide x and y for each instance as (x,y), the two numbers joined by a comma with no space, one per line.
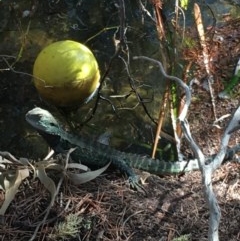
(206,169)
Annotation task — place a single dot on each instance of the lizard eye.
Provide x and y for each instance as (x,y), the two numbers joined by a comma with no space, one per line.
(52,124)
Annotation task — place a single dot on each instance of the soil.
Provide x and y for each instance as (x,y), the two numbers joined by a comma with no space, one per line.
(110,210)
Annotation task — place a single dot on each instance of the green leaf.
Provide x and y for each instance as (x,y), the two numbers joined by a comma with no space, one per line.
(184,4)
(226,93)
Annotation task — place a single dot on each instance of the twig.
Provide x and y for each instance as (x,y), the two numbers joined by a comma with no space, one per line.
(158,4)
(160,121)
(12,69)
(144,10)
(199,24)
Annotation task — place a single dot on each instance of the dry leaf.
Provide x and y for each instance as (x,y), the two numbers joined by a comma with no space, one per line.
(11,185)
(86,176)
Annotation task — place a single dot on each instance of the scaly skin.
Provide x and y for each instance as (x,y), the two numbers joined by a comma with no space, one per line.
(92,153)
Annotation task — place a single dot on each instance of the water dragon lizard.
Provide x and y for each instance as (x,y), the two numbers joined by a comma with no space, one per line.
(93,153)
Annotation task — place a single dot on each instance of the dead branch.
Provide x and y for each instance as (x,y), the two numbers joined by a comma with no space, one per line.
(206,58)
(207,169)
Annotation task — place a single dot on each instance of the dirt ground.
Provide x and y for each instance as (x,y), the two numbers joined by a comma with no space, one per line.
(109,210)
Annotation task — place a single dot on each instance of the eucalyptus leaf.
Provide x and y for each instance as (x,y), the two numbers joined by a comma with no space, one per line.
(56,167)
(78,166)
(24,161)
(46,181)
(4,160)
(11,185)
(86,176)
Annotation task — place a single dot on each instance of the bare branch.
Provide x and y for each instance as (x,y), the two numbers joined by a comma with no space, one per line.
(206,169)
(233,125)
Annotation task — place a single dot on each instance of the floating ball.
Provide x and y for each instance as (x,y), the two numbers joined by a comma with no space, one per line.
(66,73)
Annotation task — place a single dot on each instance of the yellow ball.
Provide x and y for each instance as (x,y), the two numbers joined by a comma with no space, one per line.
(66,73)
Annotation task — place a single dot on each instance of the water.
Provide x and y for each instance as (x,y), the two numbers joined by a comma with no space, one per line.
(96,25)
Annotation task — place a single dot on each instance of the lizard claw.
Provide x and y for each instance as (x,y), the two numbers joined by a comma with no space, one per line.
(136,185)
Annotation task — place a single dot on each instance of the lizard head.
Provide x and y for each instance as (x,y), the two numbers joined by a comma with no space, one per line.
(43,121)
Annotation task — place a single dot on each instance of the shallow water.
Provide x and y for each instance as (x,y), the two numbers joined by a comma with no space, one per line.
(25,35)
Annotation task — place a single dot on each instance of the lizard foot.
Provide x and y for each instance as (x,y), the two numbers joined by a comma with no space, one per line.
(135,184)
